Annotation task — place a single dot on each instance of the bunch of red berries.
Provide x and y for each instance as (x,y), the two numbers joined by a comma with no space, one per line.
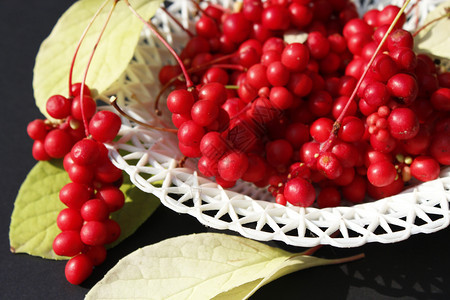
(93,193)
(292,116)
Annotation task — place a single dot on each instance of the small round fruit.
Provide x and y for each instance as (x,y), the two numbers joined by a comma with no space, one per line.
(104,126)
(78,269)
(299,192)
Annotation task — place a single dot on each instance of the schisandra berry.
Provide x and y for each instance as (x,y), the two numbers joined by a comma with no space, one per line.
(78,269)
(104,126)
(37,129)
(69,219)
(58,107)
(68,243)
(299,192)
(85,152)
(58,143)
(425,168)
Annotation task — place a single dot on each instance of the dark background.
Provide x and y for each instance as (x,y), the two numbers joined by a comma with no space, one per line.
(418,268)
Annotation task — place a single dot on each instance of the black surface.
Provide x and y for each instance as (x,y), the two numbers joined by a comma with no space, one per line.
(418,268)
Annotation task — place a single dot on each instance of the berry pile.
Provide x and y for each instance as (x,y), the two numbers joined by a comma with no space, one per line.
(93,193)
(300,115)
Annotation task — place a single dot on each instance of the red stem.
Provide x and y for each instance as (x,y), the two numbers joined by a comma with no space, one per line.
(188,32)
(431,22)
(190,70)
(80,42)
(123,113)
(337,124)
(189,83)
(83,82)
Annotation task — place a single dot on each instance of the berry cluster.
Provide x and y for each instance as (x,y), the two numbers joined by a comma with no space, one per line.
(93,193)
(294,116)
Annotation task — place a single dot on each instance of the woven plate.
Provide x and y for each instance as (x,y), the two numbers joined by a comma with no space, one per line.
(151,157)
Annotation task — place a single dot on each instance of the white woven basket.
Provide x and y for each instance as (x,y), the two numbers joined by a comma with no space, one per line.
(150,157)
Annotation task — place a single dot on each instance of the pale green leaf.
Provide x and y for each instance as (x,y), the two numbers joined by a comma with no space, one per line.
(33,221)
(199,266)
(435,38)
(51,71)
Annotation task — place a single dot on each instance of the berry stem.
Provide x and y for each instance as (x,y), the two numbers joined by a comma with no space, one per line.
(446,15)
(189,83)
(80,42)
(230,67)
(190,71)
(337,124)
(188,32)
(83,82)
(123,113)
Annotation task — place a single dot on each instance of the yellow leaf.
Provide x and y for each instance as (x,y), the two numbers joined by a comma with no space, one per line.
(115,50)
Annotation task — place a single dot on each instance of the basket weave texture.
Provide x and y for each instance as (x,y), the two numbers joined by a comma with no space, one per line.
(151,158)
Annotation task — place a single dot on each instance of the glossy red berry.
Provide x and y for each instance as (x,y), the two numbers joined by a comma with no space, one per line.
(58,107)
(37,129)
(78,269)
(85,152)
(232,166)
(299,192)
(93,233)
(89,107)
(104,126)
(67,243)
(69,219)
(403,123)
(58,143)
(94,210)
(425,168)
(381,173)
(112,196)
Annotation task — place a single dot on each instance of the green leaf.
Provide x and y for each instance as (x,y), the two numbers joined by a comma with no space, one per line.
(435,38)
(200,266)
(33,221)
(114,52)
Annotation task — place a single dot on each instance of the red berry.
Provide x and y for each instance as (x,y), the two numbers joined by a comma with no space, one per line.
(94,210)
(299,192)
(180,101)
(329,197)
(39,152)
(112,231)
(94,233)
(96,254)
(69,219)
(58,143)
(78,269)
(381,173)
(112,196)
(403,123)
(58,107)
(76,89)
(89,107)
(37,129)
(85,152)
(236,27)
(295,57)
(440,99)
(74,195)
(67,243)
(232,166)
(104,126)
(425,168)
